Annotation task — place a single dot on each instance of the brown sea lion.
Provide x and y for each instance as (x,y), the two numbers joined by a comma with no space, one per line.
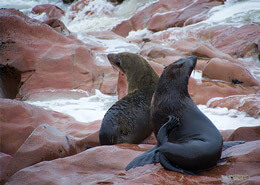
(127,121)
(188,141)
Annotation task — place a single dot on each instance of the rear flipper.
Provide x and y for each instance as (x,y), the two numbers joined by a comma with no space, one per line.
(147,157)
(228,144)
(168,166)
(166,129)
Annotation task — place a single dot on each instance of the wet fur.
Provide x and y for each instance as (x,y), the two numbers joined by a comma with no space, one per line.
(128,120)
(187,140)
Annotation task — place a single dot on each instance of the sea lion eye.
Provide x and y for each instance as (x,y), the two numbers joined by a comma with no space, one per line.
(117,62)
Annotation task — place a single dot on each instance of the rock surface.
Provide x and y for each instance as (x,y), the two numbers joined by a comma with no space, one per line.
(51,11)
(246,103)
(99,165)
(19,119)
(46,58)
(163,14)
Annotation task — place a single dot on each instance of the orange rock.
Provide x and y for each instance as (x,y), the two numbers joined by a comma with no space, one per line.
(245,103)
(245,134)
(229,72)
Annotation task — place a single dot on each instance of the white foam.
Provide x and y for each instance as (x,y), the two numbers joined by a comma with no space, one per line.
(233,11)
(225,119)
(85,109)
(94,107)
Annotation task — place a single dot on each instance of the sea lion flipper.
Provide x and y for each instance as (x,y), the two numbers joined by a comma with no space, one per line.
(165,130)
(168,166)
(228,144)
(148,157)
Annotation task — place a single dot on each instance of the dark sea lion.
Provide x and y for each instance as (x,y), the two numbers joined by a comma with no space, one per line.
(127,121)
(187,140)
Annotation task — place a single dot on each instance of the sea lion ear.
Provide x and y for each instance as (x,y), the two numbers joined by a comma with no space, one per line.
(165,67)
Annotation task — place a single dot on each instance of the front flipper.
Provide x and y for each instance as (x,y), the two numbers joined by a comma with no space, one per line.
(228,144)
(147,157)
(168,166)
(166,129)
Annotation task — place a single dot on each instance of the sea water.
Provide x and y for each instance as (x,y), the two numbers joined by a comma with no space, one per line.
(105,16)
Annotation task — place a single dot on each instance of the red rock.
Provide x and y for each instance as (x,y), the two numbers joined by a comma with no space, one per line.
(229,72)
(58,26)
(121,85)
(79,5)
(107,79)
(45,143)
(19,119)
(140,19)
(4,160)
(99,165)
(52,11)
(47,59)
(202,92)
(181,17)
(235,41)
(245,103)
(240,164)
(10,79)
(164,14)
(245,134)
(226,133)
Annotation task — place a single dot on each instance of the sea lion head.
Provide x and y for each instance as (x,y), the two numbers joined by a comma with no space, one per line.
(181,69)
(137,70)
(174,79)
(128,63)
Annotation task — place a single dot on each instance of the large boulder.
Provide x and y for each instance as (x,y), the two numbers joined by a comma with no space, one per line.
(46,58)
(245,134)
(140,19)
(246,103)
(189,15)
(163,14)
(202,91)
(235,41)
(52,11)
(18,120)
(230,72)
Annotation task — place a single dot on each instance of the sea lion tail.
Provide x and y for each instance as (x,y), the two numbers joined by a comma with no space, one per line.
(148,157)
(228,144)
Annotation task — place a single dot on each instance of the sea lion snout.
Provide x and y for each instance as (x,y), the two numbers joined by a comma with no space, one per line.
(193,60)
(111,56)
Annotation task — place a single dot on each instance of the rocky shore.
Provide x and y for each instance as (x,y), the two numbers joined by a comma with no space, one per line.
(45,59)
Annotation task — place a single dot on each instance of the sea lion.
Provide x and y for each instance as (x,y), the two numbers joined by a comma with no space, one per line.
(127,121)
(188,141)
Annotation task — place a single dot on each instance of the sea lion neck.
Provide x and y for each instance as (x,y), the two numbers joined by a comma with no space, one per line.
(173,83)
(139,73)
